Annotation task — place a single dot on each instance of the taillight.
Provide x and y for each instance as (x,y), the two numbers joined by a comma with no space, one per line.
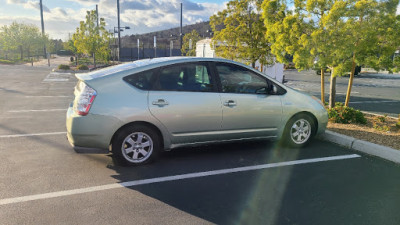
(84,97)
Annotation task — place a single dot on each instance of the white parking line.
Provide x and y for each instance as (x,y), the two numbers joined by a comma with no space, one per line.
(169,178)
(47,96)
(30,135)
(36,110)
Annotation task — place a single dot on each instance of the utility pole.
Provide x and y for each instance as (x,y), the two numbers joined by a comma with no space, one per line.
(41,17)
(119,34)
(97,15)
(97,30)
(181,34)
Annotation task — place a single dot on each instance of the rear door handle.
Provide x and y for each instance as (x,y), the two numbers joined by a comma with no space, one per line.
(160,102)
(230,103)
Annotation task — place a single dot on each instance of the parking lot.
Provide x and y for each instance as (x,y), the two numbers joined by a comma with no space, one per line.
(375,93)
(43,181)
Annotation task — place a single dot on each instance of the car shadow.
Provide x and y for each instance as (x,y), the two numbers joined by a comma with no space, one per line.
(252,197)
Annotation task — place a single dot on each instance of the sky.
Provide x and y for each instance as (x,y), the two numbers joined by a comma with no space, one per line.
(61,17)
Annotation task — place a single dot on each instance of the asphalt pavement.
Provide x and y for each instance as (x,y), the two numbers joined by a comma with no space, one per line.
(43,181)
(375,93)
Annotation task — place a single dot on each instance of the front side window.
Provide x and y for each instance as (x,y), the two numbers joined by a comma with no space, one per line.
(236,79)
(185,77)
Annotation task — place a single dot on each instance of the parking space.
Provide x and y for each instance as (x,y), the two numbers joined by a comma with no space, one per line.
(43,181)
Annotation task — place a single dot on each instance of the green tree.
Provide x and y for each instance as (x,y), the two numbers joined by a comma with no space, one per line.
(189,43)
(91,39)
(330,33)
(239,32)
(375,30)
(22,38)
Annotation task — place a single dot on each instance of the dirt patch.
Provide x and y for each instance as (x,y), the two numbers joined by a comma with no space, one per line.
(379,130)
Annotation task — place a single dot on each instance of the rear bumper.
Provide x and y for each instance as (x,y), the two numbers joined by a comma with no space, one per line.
(86,150)
(90,133)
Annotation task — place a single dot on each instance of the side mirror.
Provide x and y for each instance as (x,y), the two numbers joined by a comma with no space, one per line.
(272,89)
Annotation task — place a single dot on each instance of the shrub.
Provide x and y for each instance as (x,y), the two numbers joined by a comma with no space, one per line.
(398,122)
(6,61)
(82,67)
(63,67)
(344,114)
(382,119)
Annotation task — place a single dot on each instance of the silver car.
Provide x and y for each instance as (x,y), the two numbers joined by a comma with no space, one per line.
(138,109)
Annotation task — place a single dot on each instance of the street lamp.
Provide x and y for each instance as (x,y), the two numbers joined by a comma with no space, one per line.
(118,31)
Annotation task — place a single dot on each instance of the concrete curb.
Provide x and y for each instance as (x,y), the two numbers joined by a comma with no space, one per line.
(362,146)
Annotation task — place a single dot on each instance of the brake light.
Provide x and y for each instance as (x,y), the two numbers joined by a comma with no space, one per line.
(84,97)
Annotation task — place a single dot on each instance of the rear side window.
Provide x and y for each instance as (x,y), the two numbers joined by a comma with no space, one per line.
(142,80)
(185,77)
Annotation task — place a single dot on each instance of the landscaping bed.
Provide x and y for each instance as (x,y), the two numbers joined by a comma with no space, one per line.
(380,130)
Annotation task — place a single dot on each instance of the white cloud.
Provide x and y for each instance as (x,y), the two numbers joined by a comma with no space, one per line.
(28,4)
(141,15)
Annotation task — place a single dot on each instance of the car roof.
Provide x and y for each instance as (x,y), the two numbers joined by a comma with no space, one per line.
(145,64)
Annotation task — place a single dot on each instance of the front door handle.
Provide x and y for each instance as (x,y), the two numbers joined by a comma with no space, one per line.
(160,102)
(230,103)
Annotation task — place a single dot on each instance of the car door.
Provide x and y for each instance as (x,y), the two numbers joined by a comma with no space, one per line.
(186,101)
(248,110)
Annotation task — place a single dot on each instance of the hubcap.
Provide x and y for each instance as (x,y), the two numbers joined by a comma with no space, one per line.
(300,132)
(137,147)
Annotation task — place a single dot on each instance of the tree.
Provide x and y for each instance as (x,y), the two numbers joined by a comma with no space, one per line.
(375,32)
(189,43)
(239,32)
(327,31)
(92,39)
(23,38)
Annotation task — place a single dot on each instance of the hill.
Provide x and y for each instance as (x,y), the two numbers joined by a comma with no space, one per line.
(165,36)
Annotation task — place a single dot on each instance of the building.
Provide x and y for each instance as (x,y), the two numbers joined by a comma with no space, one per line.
(204,49)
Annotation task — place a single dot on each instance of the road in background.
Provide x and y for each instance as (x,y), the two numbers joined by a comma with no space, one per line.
(375,93)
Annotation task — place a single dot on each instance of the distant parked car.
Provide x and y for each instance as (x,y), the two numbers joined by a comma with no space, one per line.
(327,70)
(141,108)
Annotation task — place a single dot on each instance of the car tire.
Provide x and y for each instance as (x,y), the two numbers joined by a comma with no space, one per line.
(299,131)
(136,145)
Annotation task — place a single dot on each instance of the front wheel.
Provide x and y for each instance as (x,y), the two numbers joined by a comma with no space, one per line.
(135,145)
(299,131)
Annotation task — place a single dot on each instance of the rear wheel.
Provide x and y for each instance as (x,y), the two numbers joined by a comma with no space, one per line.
(299,131)
(135,145)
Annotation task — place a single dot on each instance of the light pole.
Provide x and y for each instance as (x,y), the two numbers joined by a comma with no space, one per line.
(181,33)
(116,30)
(41,18)
(119,33)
